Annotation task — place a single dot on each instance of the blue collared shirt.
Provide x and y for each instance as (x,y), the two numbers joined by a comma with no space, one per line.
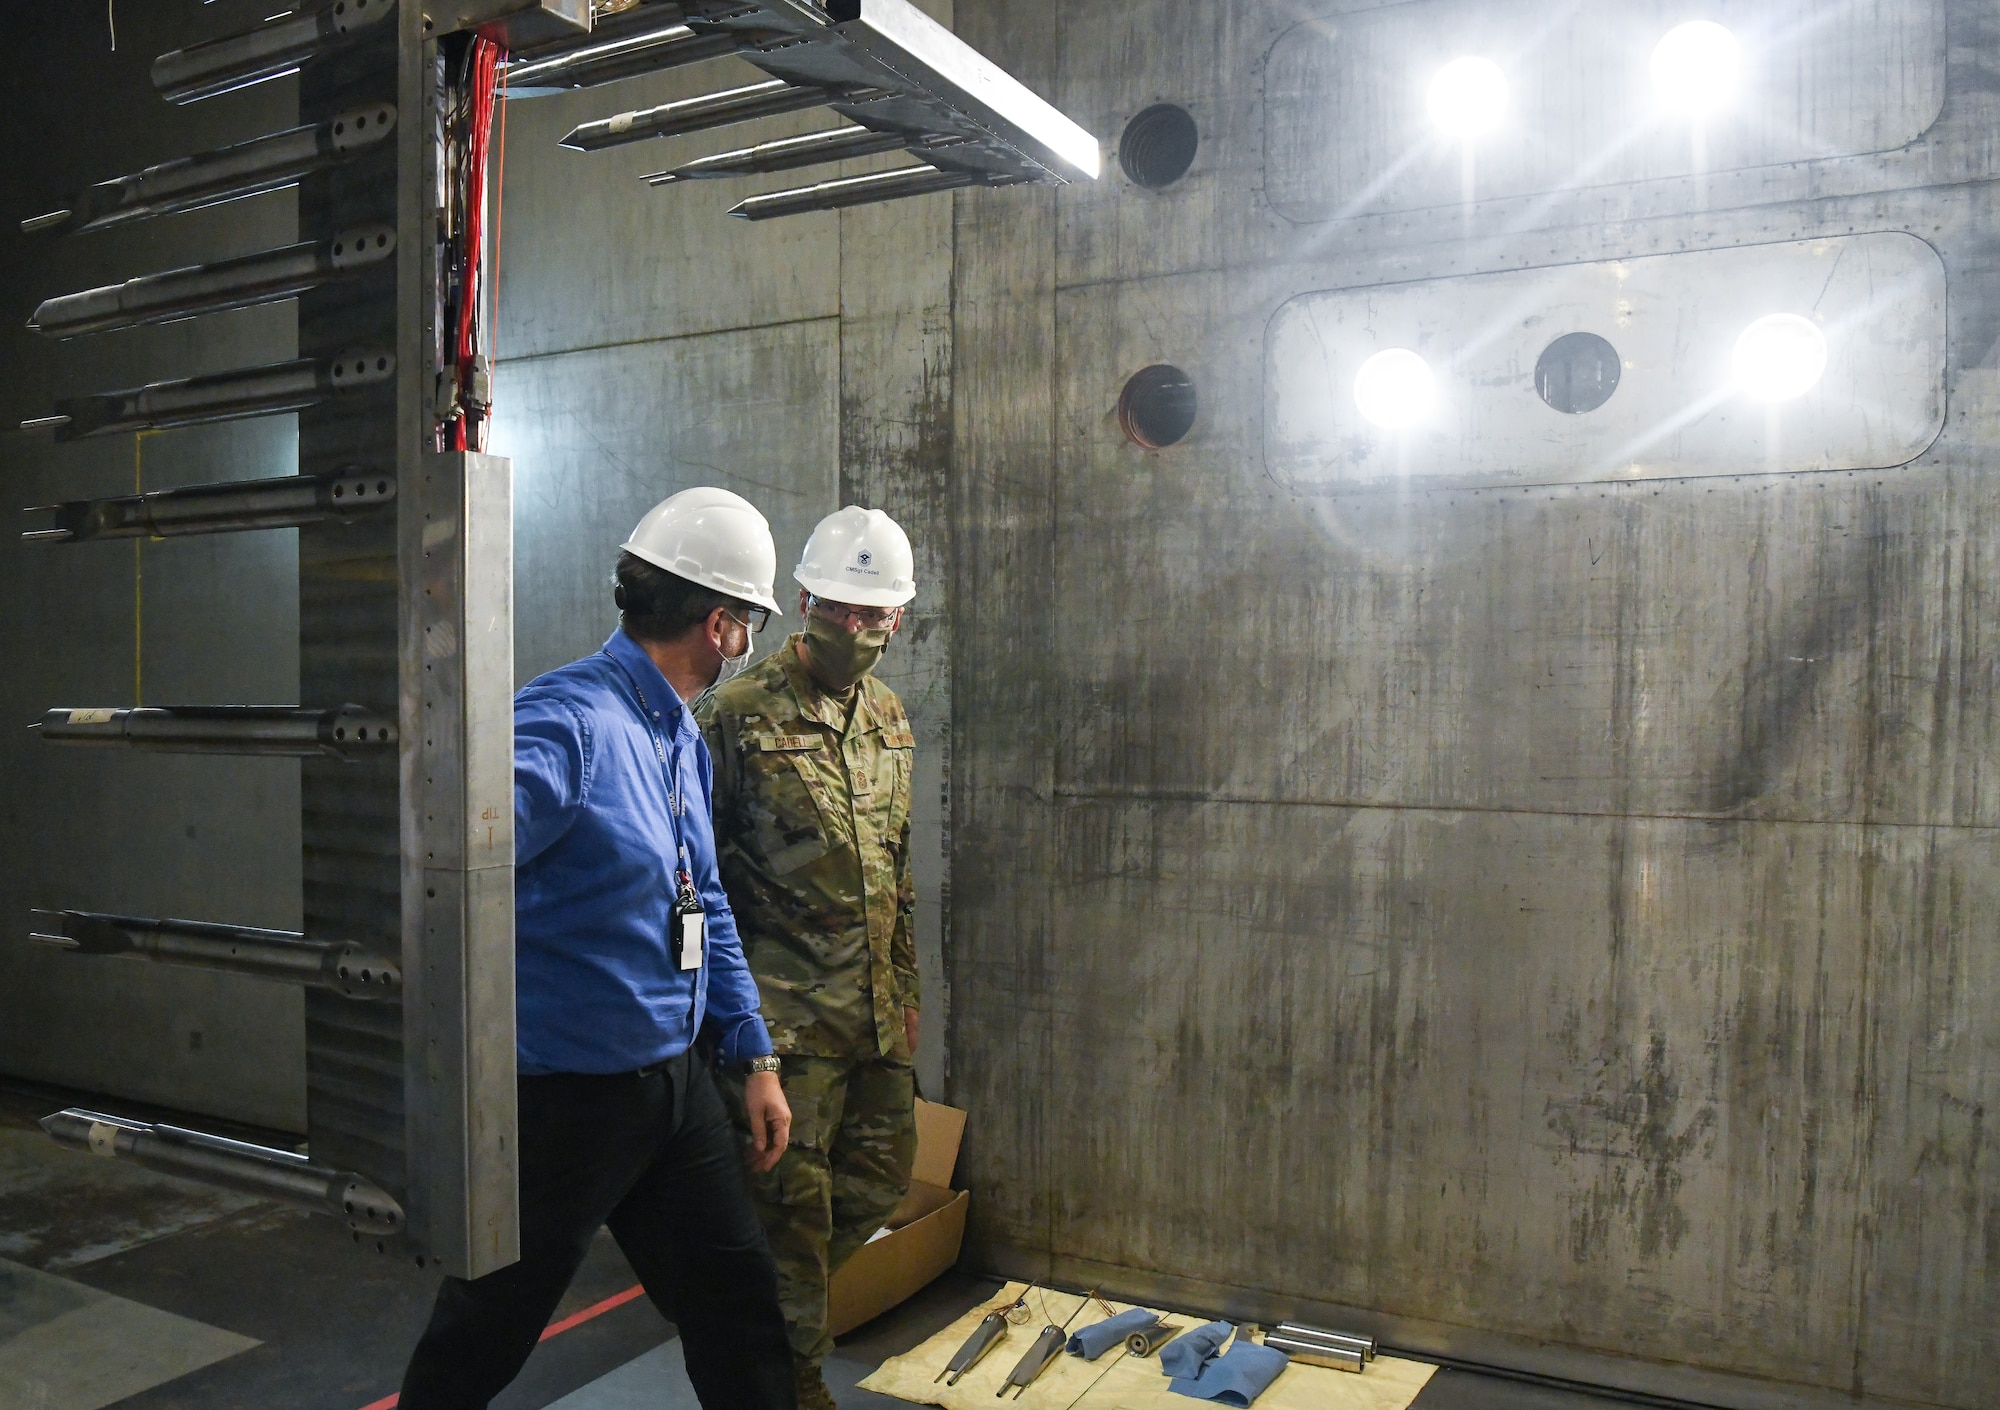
(595,820)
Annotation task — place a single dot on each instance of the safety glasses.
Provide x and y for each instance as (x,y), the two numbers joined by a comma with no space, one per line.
(857,618)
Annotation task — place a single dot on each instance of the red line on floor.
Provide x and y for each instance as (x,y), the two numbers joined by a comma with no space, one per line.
(575,1319)
(596,1309)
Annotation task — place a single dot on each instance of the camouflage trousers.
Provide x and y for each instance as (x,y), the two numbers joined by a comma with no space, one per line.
(854,1134)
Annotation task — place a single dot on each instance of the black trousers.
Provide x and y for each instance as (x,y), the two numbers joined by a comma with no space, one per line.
(654,1158)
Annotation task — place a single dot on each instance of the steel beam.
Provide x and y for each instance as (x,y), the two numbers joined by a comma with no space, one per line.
(457,554)
(925,55)
(513,24)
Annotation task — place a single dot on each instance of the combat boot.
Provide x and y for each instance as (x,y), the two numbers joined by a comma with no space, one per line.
(813,1394)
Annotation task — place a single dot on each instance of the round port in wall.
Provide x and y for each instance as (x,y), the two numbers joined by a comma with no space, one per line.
(1576,373)
(1157,406)
(1158,146)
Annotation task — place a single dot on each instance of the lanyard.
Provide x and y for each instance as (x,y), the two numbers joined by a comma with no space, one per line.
(676,799)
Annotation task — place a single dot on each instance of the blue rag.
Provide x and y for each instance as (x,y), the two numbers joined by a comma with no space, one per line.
(1099,1337)
(1185,1354)
(1237,1377)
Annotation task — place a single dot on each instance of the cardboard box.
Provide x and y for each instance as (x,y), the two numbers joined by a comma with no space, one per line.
(922,1237)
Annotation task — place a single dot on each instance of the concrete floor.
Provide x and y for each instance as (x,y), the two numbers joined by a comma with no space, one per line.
(119,1286)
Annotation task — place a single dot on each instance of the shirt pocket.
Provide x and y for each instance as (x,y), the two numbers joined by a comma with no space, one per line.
(790,826)
(899,746)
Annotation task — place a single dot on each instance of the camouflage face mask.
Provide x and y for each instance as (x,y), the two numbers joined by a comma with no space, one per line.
(838,657)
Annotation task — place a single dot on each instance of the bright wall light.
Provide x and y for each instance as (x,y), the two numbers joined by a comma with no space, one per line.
(1779,357)
(1468,98)
(1696,68)
(1395,389)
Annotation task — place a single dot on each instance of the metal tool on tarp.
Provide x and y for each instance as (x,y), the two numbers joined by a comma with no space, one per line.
(1148,1340)
(992,1327)
(1047,1347)
(1316,1346)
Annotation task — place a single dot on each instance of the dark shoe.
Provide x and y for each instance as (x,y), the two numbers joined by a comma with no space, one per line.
(813,1394)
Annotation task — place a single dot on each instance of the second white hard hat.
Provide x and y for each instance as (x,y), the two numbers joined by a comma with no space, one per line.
(859,556)
(712,537)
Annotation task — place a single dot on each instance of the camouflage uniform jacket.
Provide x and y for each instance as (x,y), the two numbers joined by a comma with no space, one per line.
(812,821)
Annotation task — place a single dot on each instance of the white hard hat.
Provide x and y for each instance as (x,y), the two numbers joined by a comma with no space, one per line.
(711,537)
(859,556)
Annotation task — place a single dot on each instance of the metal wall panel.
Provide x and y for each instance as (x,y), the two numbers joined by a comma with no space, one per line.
(593,257)
(186,620)
(1317,1084)
(600,436)
(1348,132)
(1535,921)
(1673,322)
(896,455)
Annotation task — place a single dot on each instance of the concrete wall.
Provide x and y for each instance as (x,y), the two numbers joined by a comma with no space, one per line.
(1542,915)
(1545,916)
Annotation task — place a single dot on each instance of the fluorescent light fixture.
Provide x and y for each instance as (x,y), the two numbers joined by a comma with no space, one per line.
(905,39)
(1468,98)
(1779,357)
(1395,389)
(1696,68)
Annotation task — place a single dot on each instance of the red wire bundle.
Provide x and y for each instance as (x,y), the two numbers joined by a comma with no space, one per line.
(485,68)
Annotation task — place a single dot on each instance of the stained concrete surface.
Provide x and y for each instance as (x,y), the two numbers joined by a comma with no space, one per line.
(66,1209)
(65,1346)
(1551,922)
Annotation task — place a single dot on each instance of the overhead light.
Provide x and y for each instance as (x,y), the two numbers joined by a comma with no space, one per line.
(1395,389)
(1779,357)
(1696,68)
(1468,98)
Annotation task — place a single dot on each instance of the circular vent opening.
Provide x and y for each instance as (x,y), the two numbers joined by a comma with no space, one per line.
(1158,146)
(1157,407)
(1576,373)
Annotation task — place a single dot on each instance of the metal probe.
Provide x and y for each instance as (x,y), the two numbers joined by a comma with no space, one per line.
(1046,1348)
(992,1327)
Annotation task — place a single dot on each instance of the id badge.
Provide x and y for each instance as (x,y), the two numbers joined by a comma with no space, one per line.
(690,929)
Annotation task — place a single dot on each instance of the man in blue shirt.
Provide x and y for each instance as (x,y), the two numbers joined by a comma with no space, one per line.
(626,954)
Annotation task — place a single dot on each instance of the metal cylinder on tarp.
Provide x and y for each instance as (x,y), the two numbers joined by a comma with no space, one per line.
(1315,1347)
(1148,1340)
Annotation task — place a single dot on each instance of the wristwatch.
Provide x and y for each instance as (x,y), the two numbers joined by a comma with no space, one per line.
(767,1063)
